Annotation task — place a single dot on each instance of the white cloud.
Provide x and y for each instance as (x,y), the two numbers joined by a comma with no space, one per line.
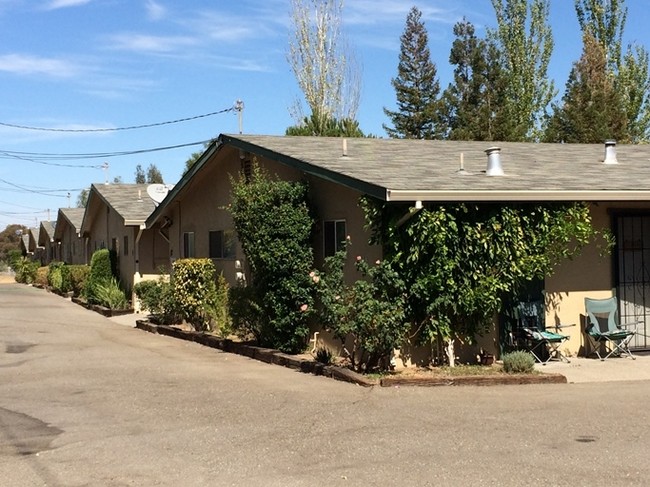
(56,4)
(155,11)
(29,65)
(152,44)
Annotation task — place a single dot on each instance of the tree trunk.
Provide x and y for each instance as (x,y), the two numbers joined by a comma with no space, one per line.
(449,350)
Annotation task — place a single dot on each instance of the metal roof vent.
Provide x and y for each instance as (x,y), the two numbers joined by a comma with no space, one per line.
(494,167)
(610,152)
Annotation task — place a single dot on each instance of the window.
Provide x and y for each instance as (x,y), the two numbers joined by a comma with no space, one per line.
(222,244)
(126,245)
(334,235)
(188,245)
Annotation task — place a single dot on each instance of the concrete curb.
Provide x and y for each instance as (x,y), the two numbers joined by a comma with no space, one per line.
(474,380)
(267,355)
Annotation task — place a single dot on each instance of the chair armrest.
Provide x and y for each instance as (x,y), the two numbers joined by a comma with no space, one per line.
(631,324)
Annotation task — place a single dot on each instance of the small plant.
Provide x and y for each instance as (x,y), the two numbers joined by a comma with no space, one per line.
(111,295)
(518,362)
(76,275)
(25,270)
(55,275)
(40,279)
(324,354)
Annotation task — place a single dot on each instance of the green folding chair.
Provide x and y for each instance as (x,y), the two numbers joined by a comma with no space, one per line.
(543,344)
(604,332)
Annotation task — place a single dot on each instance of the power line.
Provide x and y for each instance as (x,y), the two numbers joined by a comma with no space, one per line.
(115,129)
(46,192)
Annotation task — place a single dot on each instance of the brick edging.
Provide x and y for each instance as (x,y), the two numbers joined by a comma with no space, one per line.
(271,356)
(267,355)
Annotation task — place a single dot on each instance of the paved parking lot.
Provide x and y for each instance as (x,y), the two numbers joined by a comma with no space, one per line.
(86,401)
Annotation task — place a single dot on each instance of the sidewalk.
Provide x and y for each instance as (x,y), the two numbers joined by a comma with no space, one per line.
(579,370)
(594,370)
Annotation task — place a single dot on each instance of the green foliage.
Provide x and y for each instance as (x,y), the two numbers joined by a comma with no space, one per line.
(274,225)
(518,362)
(77,274)
(159,299)
(195,291)
(461,261)
(10,241)
(473,105)
(55,275)
(525,41)
(592,108)
(246,314)
(100,274)
(330,127)
(370,312)
(25,270)
(40,279)
(110,295)
(416,85)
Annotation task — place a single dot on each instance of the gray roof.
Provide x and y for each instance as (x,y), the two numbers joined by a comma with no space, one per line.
(429,170)
(130,201)
(48,231)
(73,216)
(403,169)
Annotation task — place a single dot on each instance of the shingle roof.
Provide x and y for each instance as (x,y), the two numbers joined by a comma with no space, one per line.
(130,201)
(73,216)
(405,169)
(48,231)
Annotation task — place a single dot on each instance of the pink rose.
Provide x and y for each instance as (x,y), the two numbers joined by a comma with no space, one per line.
(304,308)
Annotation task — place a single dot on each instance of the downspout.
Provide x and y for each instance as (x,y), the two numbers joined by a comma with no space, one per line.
(141,229)
(412,212)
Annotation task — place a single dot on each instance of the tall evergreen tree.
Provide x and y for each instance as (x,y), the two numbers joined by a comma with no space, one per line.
(525,41)
(416,85)
(605,21)
(140,177)
(472,104)
(154,176)
(592,108)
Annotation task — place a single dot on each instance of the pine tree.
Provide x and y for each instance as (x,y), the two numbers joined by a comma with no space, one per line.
(140,178)
(154,176)
(416,85)
(472,103)
(605,20)
(592,108)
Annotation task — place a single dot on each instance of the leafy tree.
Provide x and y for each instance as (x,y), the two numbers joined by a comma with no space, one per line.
(592,108)
(10,240)
(332,128)
(604,21)
(525,41)
(82,198)
(140,177)
(154,176)
(472,104)
(278,299)
(416,85)
(460,261)
(117,180)
(322,63)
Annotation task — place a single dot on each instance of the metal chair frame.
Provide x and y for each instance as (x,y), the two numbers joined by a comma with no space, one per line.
(538,340)
(616,338)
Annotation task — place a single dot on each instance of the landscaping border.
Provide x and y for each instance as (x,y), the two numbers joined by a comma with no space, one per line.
(271,356)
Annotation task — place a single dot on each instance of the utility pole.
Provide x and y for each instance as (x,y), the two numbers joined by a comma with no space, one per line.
(239,108)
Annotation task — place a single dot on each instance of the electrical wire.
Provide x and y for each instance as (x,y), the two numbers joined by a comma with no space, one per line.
(115,129)
(46,192)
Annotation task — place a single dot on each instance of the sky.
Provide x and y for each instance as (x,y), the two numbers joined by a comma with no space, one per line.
(113,64)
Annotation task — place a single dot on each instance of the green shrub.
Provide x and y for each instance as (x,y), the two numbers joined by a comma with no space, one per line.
(40,278)
(55,276)
(77,275)
(158,298)
(245,313)
(195,290)
(274,223)
(25,270)
(518,362)
(100,274)
(111,295)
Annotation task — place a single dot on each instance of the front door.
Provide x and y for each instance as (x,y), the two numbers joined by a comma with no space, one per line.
(633,274)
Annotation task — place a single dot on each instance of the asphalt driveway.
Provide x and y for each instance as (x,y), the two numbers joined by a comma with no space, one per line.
(85,401)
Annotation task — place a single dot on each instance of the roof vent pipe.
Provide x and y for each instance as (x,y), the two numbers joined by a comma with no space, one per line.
(610,152)
(494,167)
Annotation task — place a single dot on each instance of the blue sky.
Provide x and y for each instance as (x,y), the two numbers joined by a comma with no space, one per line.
(88,64)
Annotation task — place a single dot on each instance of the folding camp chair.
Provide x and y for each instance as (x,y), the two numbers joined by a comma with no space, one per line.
(603,330)
(543,344)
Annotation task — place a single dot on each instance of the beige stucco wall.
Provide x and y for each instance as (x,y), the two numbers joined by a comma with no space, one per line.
(202,207)
(71,246)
